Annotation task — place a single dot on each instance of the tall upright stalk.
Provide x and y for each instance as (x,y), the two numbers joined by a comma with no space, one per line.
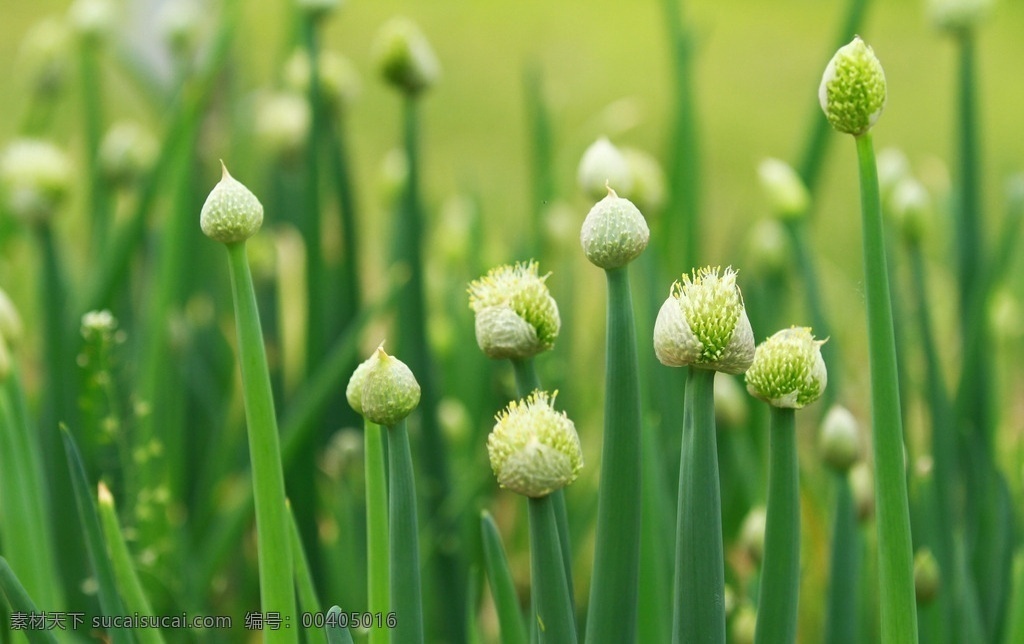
(897,600)
(404,561)
(377,534)
(92,113)
(552,610)
(841,625)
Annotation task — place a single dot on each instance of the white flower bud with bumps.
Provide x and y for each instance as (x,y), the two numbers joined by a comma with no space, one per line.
(852,90)
(516,317)
(614,232)
(534,450)
(602,166)
(231,213)
(704,323)
(383,389)
(788,370)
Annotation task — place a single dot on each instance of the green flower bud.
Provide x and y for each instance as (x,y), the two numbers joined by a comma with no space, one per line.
(10,320)
(178,23)
(92,20)
(35,177)
(282,124)
(231,213)
(852,90)
(44,56)
(839,440)
(648,180)
(614,232)
(516,317)
(601,166)
(752,532)
(730,402)
(958,15)
(927,576)
(788,370)
(339,80)
(769,248)
(784,188)
(862,484)
(127,153)
(383,389)
(910,207)
(394,174)
(703,323)
(534,450)
(404,57)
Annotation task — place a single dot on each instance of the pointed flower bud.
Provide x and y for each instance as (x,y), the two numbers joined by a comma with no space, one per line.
(852,90)
(788,370)
(614,232)
(405,58)
(704,323)
(383,389)
(784,188)
(34,178)
(231,213)
(839,441)
(603,165)
(516,317)
(534,450)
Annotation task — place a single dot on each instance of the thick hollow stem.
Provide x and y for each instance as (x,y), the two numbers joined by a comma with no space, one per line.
(272,539)
(780,574)
(897,600)
(405,549)
(553,612)
(699,606)
(615,583)
(377,538)
(843,609)
(503,589)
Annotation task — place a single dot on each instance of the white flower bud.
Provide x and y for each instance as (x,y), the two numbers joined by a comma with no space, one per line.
(127,152)
(910,207)
(178,23)
(852,90)
(533,449)
(784,188)
(35,176)
(405,58)
(44,56)
(93,20)
(339,80)
(649,190)
(383,389)
(231,213)
(839,441)
(788,370)
(516,317)
(958,15)
(282,123)
(614,232)
(603,166)
(703,323)
(752,532)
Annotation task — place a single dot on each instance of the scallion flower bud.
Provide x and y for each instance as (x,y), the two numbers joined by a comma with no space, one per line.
(127,152)
(383,389)
(852,90)
(602,166)
(516,317)
(35,176)
(231,213)
(614,232)
(839,440)
(958,15)
(533,449)
(784,188)
(788,370)
(405,58)
(703,323)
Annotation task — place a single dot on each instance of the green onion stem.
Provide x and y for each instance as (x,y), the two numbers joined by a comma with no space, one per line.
(780,572)
(503,590)
(844,569)
(405,550)
(273,544)
(553,612)
(340,165)
(412,342)
(1015,627)
(21,602)
(612,615)
(92,112)
(377,537)
(308,600)
(311,222)
(542,156)
(896,579)
(698,602)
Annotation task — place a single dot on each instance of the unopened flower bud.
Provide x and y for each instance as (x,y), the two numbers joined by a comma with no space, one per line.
(648,191)
(614,232)
(127,153)
(788,370)
(927,577)
(178,23)
(839,440)
(282,123)
(752,532)
(339,80)
(231,213)
(784,188)
(893,167)
(44,56)
(383,389)
(405,58)
(602,166)
(533,449)
(93,20)
(852,90)
(958,15)
(910,207)
(862,484)
(34,176)
(703,323)
(516,317)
